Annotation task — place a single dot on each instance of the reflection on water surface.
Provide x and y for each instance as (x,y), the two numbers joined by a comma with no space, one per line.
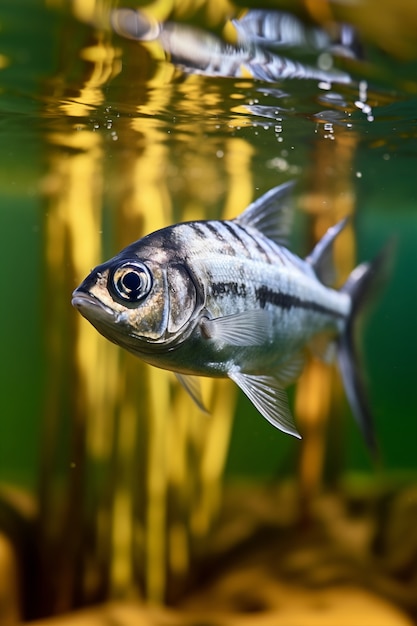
(104,139)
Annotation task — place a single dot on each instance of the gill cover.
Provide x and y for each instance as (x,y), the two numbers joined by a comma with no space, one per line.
(182,295)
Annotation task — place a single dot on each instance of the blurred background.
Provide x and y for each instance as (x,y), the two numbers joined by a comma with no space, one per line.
(114,487)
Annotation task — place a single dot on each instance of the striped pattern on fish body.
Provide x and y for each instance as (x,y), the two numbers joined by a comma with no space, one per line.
(228,299)
(260,33)
(240,271)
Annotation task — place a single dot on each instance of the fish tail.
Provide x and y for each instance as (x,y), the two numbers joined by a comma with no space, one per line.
(361,286)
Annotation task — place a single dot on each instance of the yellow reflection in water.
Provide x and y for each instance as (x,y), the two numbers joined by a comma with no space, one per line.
(212,12)
(129,494)
(80,395)
(4,61)
(132,471)
(330,198)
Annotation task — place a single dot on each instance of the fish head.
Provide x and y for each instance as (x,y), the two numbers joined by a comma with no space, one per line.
(139,300)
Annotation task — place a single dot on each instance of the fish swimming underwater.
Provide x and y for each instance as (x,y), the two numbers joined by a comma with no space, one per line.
(228,299)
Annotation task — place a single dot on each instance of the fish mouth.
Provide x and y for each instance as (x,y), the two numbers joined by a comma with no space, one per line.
(91,307)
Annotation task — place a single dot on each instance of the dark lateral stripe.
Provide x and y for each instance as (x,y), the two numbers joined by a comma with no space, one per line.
(286,301)
(229,289)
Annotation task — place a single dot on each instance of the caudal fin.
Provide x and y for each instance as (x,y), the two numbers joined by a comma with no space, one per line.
(361,287)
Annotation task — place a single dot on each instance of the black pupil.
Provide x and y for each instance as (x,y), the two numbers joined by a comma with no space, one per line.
(131,281)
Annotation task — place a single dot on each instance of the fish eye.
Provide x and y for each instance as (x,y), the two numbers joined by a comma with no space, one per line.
(130,282)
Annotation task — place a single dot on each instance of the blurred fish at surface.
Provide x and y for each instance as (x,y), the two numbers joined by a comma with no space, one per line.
(228,299)
(260,36)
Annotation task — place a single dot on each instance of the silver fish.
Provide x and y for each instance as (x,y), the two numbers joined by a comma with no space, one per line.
(228,299)
(261,34)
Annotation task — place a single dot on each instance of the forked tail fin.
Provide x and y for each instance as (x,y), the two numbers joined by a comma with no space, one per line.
(361,286)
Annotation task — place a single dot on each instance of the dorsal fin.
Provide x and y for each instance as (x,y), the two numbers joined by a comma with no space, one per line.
(321,259)
(270,214)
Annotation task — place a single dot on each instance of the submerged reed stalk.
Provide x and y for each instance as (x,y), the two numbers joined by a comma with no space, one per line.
(131,471)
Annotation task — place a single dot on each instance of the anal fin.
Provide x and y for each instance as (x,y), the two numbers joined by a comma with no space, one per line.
(268,396)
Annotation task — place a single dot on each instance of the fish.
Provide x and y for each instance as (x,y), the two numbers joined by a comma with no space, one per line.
(260,36)
(228,299)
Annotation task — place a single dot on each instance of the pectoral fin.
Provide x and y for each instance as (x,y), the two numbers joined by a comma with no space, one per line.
(248,328)
(268,396)
(192,386)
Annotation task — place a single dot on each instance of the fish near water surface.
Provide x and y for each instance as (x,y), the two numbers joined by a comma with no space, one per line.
(228,299)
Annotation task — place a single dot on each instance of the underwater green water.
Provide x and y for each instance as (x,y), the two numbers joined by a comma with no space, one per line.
(204,132)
